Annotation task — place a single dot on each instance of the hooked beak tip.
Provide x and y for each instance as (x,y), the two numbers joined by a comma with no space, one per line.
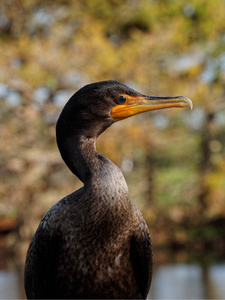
(187,100)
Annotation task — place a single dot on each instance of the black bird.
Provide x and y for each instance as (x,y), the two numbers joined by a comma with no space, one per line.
(94,243)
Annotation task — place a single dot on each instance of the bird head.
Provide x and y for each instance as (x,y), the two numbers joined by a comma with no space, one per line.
(95,107)
(98,105)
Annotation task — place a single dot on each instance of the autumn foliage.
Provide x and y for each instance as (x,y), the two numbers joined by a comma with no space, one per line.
(173,160)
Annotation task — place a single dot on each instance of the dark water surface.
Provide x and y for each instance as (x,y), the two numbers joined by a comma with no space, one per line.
(188,281)
(170,281)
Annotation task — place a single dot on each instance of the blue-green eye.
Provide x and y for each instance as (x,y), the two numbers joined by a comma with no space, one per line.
(122,99)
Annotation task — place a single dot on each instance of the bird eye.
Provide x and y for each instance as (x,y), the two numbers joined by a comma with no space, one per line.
(122,99)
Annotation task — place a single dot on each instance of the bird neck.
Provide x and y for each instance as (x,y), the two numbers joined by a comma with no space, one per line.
(79,153)
(96,171)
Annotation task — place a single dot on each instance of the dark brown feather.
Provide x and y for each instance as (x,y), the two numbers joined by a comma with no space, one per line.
(94,243)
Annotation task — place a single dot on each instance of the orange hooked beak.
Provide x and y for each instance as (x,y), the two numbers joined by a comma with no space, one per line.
(132,105)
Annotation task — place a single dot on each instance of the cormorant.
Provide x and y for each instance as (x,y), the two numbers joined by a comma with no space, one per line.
(94,243)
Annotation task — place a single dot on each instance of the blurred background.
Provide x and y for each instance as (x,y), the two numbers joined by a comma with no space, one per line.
(173,160)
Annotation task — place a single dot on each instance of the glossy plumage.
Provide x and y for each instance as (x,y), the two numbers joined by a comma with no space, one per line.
(94,243)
